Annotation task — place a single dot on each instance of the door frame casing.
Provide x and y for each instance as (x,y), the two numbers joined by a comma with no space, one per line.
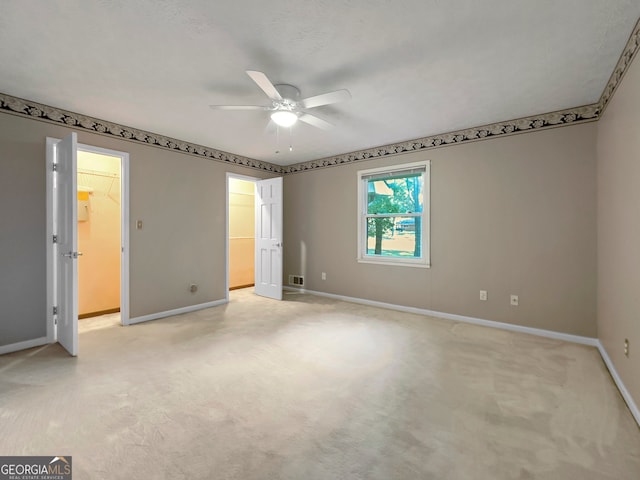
(51,228)
(229,176)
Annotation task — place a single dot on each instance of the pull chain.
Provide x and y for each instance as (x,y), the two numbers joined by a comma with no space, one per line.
(291,139)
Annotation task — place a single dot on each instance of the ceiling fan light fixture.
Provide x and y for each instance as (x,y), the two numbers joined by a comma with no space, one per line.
(284,118)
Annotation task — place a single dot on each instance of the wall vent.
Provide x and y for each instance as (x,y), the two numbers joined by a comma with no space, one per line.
(297,280)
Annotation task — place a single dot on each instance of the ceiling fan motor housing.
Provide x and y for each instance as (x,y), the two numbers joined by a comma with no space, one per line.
(290,95)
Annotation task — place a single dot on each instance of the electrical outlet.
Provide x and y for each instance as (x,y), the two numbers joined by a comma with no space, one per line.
(626,347)
(483,295)
(324,275)
(514,300)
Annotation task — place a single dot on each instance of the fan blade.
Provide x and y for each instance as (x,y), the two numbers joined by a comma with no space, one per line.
(315,121)
(265,84)
(238,107)
(326,99)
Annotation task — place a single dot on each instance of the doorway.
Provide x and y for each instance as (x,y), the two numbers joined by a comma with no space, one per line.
(240,232)
(99,234)
(257,221)
(87,209)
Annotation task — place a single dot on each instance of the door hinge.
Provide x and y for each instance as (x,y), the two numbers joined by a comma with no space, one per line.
(55,239)
(55,310)
(55,167)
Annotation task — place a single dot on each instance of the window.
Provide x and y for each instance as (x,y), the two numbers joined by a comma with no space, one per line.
(393,211)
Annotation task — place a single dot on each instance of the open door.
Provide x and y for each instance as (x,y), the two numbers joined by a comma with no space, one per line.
(66,254)
(268,258)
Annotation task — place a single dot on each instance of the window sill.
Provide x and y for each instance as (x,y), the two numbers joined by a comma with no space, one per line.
(392,263)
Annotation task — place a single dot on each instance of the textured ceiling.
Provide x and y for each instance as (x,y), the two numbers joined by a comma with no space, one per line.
(414,68)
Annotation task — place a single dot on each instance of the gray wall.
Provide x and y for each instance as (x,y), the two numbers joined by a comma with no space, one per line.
(22,235)
(514,215)
(180,198)
(619,228)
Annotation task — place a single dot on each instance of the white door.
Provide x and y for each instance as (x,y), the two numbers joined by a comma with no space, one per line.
(268,274)
(66,253)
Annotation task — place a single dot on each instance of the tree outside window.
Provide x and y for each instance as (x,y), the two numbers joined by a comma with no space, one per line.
(394,213)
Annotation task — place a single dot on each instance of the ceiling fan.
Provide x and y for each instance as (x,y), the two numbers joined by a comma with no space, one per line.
(286,106)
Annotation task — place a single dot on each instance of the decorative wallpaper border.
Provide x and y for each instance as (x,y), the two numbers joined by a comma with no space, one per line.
(587,113)
(42,112)
(39,111)
(630,50)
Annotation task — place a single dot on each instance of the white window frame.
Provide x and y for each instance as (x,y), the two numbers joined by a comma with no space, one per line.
(363,257)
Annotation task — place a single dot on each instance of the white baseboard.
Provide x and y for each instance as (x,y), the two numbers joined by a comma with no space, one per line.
(618,381)
(594,342)
(14,347)
(459,318)
(177,311)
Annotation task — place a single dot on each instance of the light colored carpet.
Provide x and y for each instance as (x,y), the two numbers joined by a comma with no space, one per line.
(96,323)
(310,388)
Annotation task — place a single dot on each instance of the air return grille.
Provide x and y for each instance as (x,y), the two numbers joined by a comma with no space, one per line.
(297,280)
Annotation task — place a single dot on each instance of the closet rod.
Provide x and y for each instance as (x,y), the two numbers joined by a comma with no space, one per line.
(98,174)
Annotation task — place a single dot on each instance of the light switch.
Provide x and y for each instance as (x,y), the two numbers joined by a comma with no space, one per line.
(139,225)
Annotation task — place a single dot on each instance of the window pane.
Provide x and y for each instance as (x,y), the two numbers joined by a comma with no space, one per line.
(395,194)
(398,237)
